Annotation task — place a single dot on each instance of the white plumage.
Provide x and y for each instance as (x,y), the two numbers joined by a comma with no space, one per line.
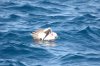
(44,34)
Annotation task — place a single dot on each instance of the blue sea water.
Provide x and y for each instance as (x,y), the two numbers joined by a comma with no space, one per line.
(77,23)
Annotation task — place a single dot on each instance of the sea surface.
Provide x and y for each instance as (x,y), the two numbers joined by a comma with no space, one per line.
(77,23)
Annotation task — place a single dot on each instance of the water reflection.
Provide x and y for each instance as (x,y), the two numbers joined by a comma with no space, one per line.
(45,43)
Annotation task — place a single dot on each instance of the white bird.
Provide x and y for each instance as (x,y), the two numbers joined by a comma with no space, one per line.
(44,34)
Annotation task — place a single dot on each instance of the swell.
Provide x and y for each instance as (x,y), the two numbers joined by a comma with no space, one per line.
(9,18)
(74,21)
(91,33)
(80,57)
(8,62)
(7,4)
(30,8)
(82,21)
(52,5)
(87,38)
(85,18)
(16,51)
(15,37)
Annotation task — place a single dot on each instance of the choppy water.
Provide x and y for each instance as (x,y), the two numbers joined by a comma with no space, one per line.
(77,23)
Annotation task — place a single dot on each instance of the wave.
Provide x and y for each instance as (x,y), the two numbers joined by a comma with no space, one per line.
(11,50)
(9,62)
(90,33)
(16,37)
(86,39)
(51,4)
(8,4)
(12,17)
(32,9)
(84,19)
(74,21)
(74,58)
(90,37)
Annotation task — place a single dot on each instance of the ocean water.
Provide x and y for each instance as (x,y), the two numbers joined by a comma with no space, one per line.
(77,23)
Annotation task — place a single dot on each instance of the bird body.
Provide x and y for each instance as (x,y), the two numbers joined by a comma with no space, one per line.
(44,34)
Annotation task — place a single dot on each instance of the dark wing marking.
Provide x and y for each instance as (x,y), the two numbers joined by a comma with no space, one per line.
(47,33)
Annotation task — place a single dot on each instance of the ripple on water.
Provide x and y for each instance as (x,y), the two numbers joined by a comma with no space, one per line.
(8,62)
(16,51)
(85,59)
(76,23)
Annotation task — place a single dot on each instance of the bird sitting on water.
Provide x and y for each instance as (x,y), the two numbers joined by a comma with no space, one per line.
(44,34)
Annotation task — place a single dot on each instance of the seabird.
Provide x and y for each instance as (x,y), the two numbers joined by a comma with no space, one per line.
(44,34)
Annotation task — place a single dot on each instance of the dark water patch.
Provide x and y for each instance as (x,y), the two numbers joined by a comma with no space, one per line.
(10,35)
(1,24)
(38,65)
(51,4)
(9,62)
(94,59)
(22,7)
(1,34)
(98,19)
(42,17)
(12,17)
(36,15)
(82,1)
(87,33)
(7,4)
(65,35)
(68,35)
(78,58)
(55,10)
(16,37)
(59,17)
(87,39)
(98,9)
(37,18)
(87,18)
(54,24)
(62,0)
(70,58)
(30,8)
(15,50)
(90,33)
(20,32)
